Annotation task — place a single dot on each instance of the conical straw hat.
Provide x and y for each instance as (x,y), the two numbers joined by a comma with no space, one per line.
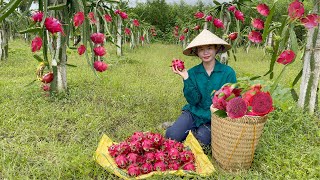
(205,38)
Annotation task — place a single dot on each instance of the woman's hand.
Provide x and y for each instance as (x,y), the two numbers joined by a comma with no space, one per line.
(184,73)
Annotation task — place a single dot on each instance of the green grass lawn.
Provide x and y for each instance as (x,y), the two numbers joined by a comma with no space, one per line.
(55,137)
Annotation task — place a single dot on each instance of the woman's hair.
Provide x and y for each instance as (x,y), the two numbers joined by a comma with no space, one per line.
(217,46)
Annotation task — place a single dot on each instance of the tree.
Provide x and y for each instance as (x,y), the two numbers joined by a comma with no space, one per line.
(308,97)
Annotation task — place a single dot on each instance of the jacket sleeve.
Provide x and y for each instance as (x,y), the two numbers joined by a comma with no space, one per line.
(191,91)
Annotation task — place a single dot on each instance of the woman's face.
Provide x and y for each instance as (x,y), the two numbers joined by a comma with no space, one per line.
(207,53)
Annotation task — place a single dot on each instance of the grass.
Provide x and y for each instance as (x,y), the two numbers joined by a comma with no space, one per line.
(55,137)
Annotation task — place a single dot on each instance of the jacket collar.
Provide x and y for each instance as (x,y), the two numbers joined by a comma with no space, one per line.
(218,67)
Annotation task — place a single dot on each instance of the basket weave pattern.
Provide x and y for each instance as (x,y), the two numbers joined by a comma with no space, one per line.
(233,141)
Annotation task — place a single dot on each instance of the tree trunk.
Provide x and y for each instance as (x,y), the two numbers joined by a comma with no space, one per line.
(59,58)
(119,36)
(311,70)
(224,58)
(147,36)
(205,25)
(269,39)
(138,37)
(132,41)
(4,46)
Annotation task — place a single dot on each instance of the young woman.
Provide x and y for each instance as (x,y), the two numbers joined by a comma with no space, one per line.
(199,83)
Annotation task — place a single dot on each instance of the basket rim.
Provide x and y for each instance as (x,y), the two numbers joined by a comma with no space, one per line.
(245,119)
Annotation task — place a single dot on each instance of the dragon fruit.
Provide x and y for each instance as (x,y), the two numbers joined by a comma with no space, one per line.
(173,166)
(146,168)
(160,156)
(173,153)
(132,158)
(137,136)
(251,92)
(159,166)
(223,95)
(141,160)
(236,107)
(261,104)
(149,135)
(178,64)
(134,170)
(178,146)
(124,148)
(150,157)
(168,144)
(219,100)
(147,145)
(189,167)
(143,153)
(186,156)
(135,146)
(157,140)
(114,150)
(121,161)
(47,78)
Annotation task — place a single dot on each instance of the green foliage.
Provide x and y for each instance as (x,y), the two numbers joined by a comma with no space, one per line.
(55,137)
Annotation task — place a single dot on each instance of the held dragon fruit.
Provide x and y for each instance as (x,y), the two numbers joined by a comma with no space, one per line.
(240,99)
(143,153)
(177,64)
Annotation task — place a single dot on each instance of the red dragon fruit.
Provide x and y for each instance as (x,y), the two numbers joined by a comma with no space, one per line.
(219,100)
(114,150)
(179,146)
(173,166)
(174,153)
(189,167)
(141,160)
(124,148)
(135,146)
(137,136)
(236,107)
(47,78)
(121,161)
(150,157)
(251,92)
(157,139)
(261,104)
(186,156)
(160,156)
(168,144)
(221,96)
(134,170)
(146,168)
(147,145)
(159,166)
(178,64)
(132,158)
(149,135)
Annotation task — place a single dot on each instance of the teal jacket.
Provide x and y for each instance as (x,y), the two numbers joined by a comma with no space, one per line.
(199,86)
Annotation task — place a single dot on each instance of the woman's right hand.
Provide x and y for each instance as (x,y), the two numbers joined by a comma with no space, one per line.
(184,73)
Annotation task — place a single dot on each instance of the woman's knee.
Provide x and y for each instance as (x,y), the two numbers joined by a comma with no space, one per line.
(203,135)
(175,134)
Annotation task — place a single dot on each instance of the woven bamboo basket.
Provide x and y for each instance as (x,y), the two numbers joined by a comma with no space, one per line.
(233,141)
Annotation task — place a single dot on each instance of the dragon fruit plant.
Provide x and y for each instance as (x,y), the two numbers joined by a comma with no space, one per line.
(144,152)
(237,100)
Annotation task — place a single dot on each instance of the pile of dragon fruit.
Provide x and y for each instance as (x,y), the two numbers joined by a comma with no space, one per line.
(144,152)
(238,100)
